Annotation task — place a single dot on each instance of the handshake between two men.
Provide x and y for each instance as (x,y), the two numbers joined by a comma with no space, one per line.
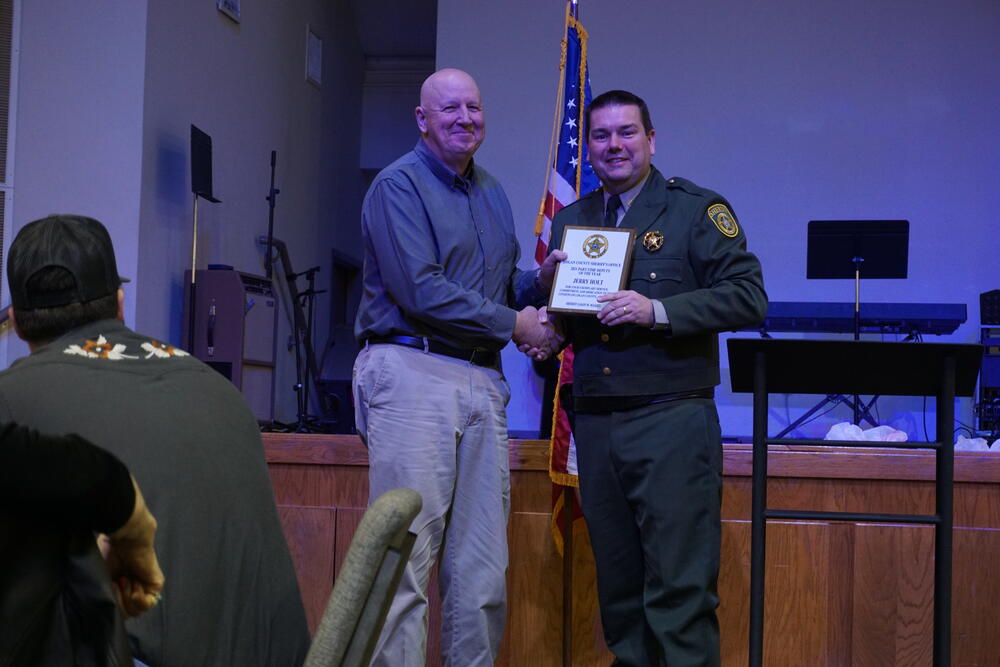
(540,336)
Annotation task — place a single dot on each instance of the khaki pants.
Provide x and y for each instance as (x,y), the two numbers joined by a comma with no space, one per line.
(438,425)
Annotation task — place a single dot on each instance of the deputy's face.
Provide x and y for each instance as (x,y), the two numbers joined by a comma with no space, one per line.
(620,149)
(450,117)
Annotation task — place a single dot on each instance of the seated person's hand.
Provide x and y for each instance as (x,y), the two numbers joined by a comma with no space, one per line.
(131,560)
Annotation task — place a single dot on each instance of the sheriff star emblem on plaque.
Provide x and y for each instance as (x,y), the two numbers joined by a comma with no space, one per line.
(652,241)
(595,246)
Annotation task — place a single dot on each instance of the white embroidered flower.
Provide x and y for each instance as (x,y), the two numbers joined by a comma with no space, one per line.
(162,350)
(100,349)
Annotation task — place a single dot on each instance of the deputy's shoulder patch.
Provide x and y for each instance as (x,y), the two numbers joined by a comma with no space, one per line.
(723,219)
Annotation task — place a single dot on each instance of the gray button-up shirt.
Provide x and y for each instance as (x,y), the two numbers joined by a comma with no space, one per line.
(440,256)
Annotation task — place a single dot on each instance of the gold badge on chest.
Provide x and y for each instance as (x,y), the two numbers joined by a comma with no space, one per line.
(652,241)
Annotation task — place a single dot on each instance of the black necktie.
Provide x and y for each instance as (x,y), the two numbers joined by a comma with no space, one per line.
(611,215)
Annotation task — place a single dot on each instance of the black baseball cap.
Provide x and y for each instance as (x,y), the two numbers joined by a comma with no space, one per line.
(78,244)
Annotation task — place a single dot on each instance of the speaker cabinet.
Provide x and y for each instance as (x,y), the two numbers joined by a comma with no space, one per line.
(339,399)
(235,325)
(988,409)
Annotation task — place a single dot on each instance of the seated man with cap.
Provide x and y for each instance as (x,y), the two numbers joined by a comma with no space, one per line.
(184,431)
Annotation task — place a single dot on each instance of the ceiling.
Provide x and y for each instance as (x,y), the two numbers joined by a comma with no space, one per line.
(397,28)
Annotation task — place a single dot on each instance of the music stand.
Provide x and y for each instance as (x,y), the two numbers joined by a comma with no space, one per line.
(201,187)
(942,370)
(850,248)
(855,249)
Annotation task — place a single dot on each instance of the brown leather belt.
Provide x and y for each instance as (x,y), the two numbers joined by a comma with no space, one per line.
(477,356)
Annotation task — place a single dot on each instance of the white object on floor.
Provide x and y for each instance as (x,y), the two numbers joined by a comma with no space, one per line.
(849,431)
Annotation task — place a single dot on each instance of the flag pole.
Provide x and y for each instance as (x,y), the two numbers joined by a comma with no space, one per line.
(581,101)
(568,491)
(553,137)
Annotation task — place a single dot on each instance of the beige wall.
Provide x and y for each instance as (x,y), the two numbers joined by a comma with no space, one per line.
(827,110)
(244,84)
(107,94)
(79,121)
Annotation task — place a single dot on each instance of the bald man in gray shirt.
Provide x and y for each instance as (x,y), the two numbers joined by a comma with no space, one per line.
(441,292)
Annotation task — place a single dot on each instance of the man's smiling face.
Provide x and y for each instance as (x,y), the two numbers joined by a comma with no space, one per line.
(620,148)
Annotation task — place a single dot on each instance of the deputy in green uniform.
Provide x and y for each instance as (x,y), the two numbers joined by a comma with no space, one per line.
(649,446)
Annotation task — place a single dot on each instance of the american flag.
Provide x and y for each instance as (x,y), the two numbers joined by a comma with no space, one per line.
(570,176)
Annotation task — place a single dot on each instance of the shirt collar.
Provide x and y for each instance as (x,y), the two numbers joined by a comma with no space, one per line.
(83,332)
(443,173)
(629,196)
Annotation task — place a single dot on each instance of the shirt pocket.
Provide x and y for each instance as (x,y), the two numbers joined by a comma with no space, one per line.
(658,277)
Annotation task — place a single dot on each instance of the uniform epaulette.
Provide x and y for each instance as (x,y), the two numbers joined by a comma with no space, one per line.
(685,184)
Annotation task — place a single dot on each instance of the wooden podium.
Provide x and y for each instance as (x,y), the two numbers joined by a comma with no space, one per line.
(942,370)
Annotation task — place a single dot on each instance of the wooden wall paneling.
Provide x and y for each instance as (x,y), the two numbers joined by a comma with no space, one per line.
(530,491)
(888,496)
(805,575)
(846,495)
(311,536)
(807,594)
(975,639)
(734,592)
(736,498)
(315,449)
(977,505)
(320,485)
(533,634)
(873,463)
(893,612)
(851,591)
(587,640)
(529,455)
(348,519)
(839,582)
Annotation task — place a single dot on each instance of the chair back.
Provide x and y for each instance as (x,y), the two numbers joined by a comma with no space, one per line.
(366,583)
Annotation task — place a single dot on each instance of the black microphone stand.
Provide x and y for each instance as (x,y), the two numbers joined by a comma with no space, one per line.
(302,331)
(857,260)
(272,195)
(306,370)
